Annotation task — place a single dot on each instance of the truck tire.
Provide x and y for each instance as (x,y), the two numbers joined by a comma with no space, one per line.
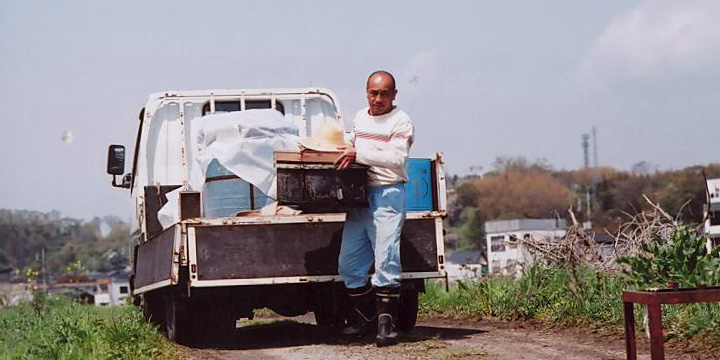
(329,308)
(215,322)
(198,323)
(329,319)
(407,316)
(178,319)
(151,305)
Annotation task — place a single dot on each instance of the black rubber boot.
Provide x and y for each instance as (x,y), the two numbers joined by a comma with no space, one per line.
(363,317)
(388,306)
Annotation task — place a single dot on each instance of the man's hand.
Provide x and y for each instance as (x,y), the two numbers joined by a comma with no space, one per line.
(346,158)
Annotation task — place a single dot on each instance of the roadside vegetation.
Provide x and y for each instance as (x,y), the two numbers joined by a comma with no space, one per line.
(547,295)
(54,328)
(573,283)
(575,294)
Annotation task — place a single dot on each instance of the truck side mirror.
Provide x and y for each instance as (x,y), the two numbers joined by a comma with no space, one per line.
(116,160)
(116,163)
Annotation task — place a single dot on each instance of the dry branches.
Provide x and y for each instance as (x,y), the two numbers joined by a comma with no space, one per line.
(579,247)
(642,228)
(576,248)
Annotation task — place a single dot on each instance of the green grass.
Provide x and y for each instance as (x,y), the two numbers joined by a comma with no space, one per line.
(60,329)
(554,297)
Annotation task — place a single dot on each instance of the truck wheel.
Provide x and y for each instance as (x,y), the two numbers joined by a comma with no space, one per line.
(328,319)
(407,316)
(206,323)
(217,323)
(177,319)
(151,305)
(329,308)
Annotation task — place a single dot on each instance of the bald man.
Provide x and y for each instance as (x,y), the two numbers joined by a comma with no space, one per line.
(381,138)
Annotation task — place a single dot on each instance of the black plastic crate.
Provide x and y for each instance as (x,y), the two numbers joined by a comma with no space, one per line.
(320,186)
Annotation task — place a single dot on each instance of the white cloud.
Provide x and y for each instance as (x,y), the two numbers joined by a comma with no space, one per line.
(656,37)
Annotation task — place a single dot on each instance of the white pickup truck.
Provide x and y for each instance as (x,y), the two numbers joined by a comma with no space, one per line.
(196,277)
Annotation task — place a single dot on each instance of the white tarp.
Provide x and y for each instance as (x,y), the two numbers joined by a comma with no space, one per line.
(241,141)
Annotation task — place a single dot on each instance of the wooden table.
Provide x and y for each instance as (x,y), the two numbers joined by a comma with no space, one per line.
(654,299)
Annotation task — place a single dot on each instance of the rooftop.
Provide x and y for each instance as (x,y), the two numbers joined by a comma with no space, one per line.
(499,226)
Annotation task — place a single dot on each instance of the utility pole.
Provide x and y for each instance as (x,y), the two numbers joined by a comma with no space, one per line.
(44,271)
(596,172)
(596,166)
(586,158)
(589,208)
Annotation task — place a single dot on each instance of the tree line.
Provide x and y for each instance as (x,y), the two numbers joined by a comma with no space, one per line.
(69,245)
(518,188)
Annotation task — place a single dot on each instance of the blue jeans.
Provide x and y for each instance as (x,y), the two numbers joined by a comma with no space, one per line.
(373,234)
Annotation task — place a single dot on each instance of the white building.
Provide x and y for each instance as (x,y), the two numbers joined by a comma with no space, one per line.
(111,292)
(712,205)
(505,255)
(464,265)
(14,293)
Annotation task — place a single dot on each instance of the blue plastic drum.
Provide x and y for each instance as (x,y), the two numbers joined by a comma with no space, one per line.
(225,194)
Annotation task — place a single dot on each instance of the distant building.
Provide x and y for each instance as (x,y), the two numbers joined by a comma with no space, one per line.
(12,293)
(712,213)
(100,289)
(111,292)
(464,264)
(505,254)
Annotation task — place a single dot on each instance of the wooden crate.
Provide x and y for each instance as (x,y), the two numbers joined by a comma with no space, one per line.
(307,156)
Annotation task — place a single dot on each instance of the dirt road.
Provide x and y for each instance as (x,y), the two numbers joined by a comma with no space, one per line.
(299,338)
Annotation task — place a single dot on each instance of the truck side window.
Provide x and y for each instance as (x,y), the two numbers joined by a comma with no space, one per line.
(229,106)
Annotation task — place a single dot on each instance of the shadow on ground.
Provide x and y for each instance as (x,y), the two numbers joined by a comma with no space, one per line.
(289,333)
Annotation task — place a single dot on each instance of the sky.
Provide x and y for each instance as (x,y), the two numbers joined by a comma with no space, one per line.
(480,79)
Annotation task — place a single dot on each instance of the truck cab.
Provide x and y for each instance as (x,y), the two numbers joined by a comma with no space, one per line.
(197,275)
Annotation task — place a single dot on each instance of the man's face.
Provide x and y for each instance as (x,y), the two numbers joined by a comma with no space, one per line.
(380,94)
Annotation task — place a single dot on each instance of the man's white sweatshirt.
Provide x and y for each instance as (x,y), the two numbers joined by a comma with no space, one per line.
(383,143)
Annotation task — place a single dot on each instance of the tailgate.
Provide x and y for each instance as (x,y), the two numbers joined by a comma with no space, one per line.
(297,251)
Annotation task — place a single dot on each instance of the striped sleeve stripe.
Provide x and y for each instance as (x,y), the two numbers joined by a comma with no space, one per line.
(385,138)
(371,136)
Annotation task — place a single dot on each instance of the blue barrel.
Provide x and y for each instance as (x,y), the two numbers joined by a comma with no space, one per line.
(225,194)
(418,189)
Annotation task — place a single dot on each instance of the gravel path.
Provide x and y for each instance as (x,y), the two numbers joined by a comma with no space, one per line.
(299,338)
